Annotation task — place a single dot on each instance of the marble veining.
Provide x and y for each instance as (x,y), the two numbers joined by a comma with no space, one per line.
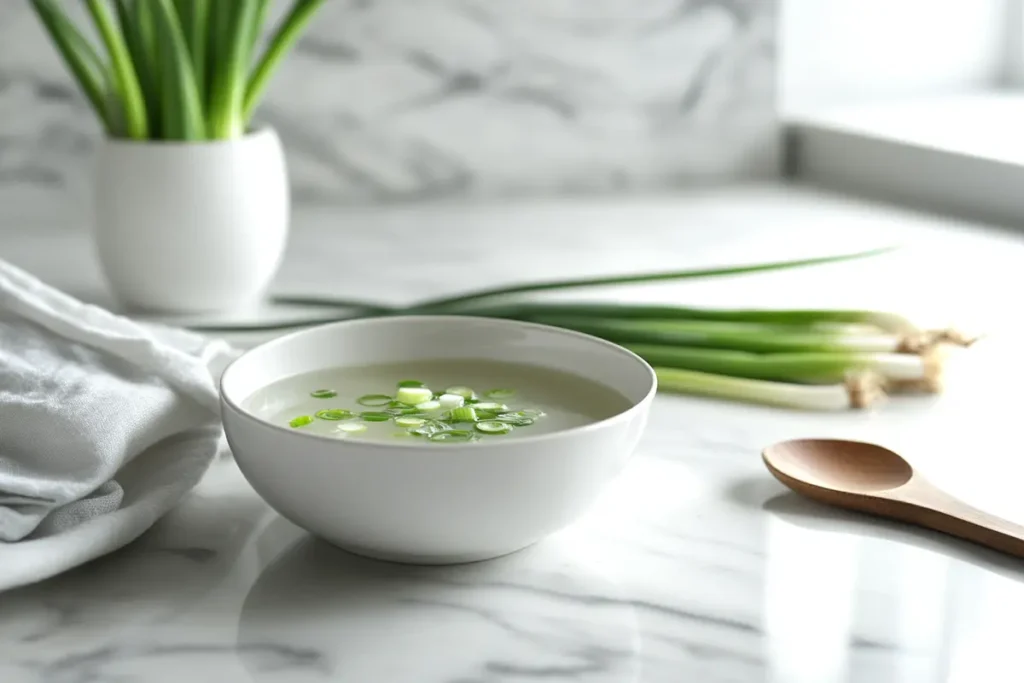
(389,100)
(695,565)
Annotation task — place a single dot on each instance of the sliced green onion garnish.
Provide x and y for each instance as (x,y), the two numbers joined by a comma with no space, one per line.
(406,410)
(323,393)
(301,421)
(494,407)
(514,419)
(493,427)
(412,396)
(374,400)
(430,428)
(429,405)
(372,416)
(500,394)
(464,392)
(352,427)
(449,401)
(463,414)
(530,412)
(486,415)
(410,421)
(410,384)
(335,414)
(454,435)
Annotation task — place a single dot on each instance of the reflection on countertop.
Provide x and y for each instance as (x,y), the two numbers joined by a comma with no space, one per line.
(344,617)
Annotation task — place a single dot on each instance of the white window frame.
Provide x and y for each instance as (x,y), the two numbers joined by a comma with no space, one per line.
(944,130)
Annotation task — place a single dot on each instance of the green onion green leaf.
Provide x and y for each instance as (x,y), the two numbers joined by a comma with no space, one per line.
(323,393)
(280,42)
(453,436)
(125,77)
(493,427)
(431,427)
(463,414)
(514,419)
(231,68)
(335,414)
(182,115)
(435,305)
(93,77)
(374,400)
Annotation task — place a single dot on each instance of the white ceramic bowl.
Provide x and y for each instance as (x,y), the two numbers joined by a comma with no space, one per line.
(412,502)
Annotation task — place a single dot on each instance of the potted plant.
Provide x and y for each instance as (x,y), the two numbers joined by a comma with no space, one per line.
(192,202)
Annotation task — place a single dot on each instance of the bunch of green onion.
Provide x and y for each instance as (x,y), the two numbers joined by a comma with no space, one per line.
(174,69)
(808,359)
(812,359)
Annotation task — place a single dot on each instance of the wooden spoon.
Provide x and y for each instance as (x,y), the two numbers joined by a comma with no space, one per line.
(873,479)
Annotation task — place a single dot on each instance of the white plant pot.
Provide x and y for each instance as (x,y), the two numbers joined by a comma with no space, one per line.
(191,227)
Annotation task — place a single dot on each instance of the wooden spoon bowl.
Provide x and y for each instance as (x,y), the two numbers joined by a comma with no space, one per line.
(873,479)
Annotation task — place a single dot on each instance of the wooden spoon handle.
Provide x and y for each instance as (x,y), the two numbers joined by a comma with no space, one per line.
(921,503)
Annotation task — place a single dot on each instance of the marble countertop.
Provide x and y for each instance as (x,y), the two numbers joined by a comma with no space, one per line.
(695,566)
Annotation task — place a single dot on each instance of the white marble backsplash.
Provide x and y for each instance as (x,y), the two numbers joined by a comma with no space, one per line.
(407,99)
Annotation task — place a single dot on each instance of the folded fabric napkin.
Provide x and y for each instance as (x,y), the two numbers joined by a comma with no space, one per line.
(105,424)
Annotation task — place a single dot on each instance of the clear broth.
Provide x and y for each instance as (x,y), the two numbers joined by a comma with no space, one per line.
(566,400)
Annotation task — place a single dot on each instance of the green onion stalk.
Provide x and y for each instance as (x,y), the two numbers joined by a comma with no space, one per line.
(857,390)
(809,363)
(816,359)
(743,336)
(187,70)
(779,330)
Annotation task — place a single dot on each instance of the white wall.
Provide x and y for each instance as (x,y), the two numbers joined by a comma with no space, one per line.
(842,51)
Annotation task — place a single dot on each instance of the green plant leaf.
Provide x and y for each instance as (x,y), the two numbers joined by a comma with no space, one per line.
(194,16)
(280,43)
(136,123)
(231,69)
(262,9)
(132,15)
(219,20)
(183,8)
(147,29)
(81,59)
(182,103)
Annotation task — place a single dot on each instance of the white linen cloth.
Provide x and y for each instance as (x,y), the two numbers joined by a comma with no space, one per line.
(105,424)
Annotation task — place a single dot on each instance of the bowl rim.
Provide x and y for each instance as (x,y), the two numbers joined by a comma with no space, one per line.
(385,445)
